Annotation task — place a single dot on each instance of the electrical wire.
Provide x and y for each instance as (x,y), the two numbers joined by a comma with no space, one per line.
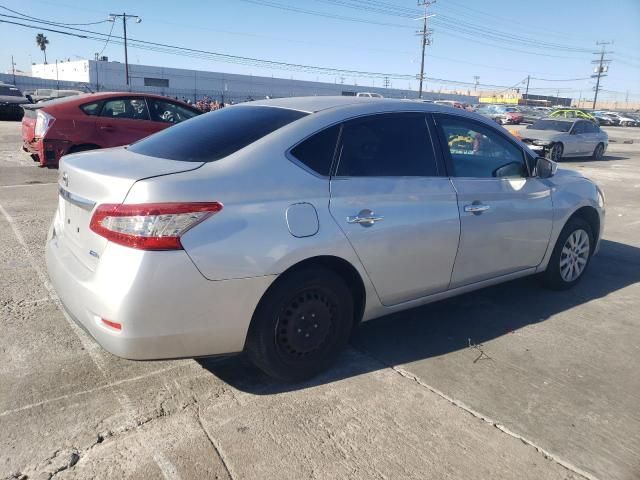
(55,23)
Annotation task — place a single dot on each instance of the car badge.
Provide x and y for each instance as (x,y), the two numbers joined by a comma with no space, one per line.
(65,179)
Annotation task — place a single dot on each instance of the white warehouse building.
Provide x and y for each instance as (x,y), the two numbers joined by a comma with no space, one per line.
(103,75)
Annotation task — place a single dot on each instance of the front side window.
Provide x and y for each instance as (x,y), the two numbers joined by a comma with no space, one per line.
(388,145)
(169,112)
(125,108)
(578,128)
(317,151)
(478,151)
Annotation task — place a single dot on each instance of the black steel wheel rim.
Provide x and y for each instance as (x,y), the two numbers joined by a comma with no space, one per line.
(305,322)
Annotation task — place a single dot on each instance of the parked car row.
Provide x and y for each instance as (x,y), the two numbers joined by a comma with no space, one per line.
(290,221)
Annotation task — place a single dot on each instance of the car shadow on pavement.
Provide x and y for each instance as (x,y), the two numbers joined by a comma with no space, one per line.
(450,325)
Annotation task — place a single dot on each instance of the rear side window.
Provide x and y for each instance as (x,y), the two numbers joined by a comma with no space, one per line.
(316,152)
(389,145)
(217,134)
(91,108)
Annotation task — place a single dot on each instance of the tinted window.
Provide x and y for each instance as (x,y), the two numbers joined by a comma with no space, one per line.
(316,152)
(10,91)
(591,127)
(579,127)
(556,125)
(217,134)
(387,146)
(478,151)
(91,108)
(169,112)
(129,108)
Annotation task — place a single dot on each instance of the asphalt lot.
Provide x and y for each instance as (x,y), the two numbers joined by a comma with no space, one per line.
(509,382)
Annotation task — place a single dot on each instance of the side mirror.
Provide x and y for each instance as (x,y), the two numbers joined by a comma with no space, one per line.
(545,168)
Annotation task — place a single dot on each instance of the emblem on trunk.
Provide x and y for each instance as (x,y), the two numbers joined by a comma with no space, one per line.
(65,179)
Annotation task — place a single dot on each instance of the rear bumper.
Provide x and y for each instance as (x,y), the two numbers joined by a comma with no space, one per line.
(48,152)
(167,309)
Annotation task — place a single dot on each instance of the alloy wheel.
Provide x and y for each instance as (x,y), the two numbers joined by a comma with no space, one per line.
(574,255)
(556,152)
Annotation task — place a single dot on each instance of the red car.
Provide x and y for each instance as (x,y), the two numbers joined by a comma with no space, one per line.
(96,120)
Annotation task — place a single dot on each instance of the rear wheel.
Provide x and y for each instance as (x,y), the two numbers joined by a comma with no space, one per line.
(598,153)
(301,324)
(571,255)
(556,152)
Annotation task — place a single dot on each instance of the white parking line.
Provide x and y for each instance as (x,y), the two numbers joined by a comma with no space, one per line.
(89,345)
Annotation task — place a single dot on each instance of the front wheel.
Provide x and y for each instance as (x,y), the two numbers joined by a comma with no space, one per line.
(556,152)
(571,255)
(301,324)
(598,153)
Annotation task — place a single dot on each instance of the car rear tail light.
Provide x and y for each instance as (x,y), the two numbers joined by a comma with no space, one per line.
(150,226)
(43,123)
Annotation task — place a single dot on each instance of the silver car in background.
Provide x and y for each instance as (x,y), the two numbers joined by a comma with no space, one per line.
(560,138)
(275,227)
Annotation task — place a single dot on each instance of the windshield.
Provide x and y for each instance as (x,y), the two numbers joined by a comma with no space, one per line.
(556,125)
(10,91)
(217,134)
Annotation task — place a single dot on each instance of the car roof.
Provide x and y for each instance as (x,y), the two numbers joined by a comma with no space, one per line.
(98,96)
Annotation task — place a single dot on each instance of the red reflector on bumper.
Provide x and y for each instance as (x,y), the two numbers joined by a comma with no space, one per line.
(111,324)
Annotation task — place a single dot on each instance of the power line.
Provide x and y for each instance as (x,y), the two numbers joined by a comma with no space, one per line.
(55,23)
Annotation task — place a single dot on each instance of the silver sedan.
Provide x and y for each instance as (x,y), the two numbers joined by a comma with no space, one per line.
(275,227)
(571,137)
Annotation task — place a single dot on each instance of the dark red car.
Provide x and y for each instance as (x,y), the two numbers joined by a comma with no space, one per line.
(96,120)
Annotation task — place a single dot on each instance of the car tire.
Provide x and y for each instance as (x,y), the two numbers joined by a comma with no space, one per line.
(571,255)
(556,152)
(598,153)
(301,324)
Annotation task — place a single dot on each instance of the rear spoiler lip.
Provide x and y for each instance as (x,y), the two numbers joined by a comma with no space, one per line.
(31,106)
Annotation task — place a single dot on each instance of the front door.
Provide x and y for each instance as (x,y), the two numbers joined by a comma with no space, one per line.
(397,210)
(506,214)
(124,120)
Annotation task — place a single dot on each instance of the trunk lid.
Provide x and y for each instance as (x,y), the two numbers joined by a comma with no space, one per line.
(91,178)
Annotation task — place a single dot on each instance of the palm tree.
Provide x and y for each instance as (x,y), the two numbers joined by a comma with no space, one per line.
(42,42)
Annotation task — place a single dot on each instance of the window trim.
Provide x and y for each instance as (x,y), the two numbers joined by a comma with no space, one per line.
(425,115)
(127,97)
(446,154)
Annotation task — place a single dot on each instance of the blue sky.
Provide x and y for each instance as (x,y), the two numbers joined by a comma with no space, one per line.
(460,49)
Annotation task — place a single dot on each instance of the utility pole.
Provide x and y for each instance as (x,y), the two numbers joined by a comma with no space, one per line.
(426,37)
(476,80)
(526,92)
(125,17)
(386,82)
(600,70)
(13,69)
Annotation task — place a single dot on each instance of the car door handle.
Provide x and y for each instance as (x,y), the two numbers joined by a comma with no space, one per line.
(476,208)
(106,128)
(366,218)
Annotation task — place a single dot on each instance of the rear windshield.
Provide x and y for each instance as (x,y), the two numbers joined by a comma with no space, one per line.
(217,134)
(10,91)
(556,125)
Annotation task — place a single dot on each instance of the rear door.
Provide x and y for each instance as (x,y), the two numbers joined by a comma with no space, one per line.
(505,214)
(123,120)
(398,212)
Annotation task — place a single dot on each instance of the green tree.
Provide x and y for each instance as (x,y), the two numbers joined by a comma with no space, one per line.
(42,42)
